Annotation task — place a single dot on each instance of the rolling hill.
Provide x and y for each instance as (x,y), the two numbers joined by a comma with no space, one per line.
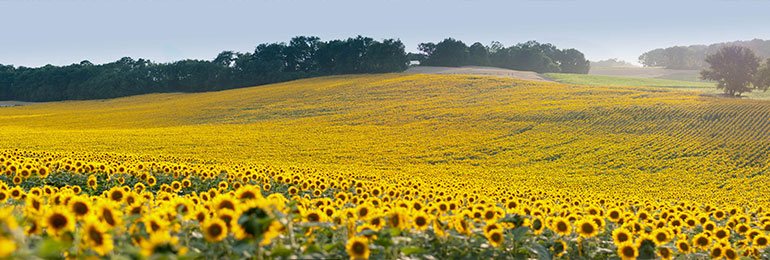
(442,166)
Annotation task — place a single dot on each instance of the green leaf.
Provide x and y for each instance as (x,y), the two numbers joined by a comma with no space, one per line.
(519,233)
(541,252)
(411,250)
(51,248)
(280,251)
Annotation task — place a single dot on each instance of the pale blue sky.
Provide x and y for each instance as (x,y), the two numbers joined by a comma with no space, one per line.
(38,32)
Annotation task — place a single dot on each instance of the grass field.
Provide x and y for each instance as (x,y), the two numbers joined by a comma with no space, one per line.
(707,88)
(391,166)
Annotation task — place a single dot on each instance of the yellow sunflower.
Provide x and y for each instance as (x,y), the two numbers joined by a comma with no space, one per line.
(214,229)
(561,226)
(495,237)
(58,221)
(586,228)
(97,238)
(7,247)
(420,220)
(358,248)
(627,250)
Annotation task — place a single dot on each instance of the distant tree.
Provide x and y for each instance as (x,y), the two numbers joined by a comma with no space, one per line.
(734,68)
(573,61)
(653,58)
(303,56)
(420,57)
(225,59)
(449,52)
(300,53)
(385,56)
(762,78)
(613,62)
(478,55)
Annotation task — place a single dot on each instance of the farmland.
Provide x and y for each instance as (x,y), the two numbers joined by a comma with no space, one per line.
(388,166)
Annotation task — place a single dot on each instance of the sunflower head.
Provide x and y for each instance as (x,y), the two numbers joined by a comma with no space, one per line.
(58,221)
(214,229)
(562,226)
(627,250)
(586,228)
(358,248)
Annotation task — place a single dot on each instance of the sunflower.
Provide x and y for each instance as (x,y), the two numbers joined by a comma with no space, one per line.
(683,247)
(495,237)
(34,205)
(7,247)
(116,194)
(155,223)
(79,206)
(363,211)
(225,202)
(151,181)
(33,227)
(315,216)
(537,225)
(490,215)
(376,222)
(730,253)
(721,233)
(719,215)
(92,182)
(214,229)
(586,228)
(491,227)
(761,241)
(17,193)
(716,252)
(627,250)
(559,248)
(275,230)
(665,253)
(701,241)
(561,226)
(58,221)
(3,196)
(97,238)
(396,218)
(420,221)
(621,235)
(160,242)
(358,248)
(661,236)
(461,225)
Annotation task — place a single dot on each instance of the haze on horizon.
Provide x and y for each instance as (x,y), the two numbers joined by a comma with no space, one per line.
(66,32)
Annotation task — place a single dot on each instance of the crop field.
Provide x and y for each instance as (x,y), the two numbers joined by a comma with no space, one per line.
(389,166)
(706,88)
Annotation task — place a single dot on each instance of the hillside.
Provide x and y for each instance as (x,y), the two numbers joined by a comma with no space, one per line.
(488,127)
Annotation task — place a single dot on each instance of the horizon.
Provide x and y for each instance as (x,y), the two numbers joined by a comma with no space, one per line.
(63,33)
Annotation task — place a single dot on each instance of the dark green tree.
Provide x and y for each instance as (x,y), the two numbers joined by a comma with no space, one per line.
(734,68)
(478,55)
(449,52)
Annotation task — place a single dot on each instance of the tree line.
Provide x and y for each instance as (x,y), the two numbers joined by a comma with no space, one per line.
(529,56)
(269,63)
(694,56)
(301,57)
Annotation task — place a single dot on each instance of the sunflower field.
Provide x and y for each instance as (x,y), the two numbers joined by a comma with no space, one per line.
(389,166)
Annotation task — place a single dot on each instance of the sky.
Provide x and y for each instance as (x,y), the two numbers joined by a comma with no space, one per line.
(60,32)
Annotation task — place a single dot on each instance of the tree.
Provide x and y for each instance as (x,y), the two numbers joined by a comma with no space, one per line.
(734,68)
(478,55)
(762,78)
(449,52)
(573,61)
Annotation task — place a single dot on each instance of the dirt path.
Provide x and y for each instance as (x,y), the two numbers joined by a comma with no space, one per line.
(476,70)
(13,103)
